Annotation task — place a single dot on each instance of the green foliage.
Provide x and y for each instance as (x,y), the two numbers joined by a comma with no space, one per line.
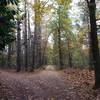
(50,56)
(80,60)
(7,2)
(7,22)
(60,21)
(40,7)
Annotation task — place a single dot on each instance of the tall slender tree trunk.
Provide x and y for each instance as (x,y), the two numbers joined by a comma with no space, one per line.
(60,50)
(69,55)
(32,48)
(94,41)
(29,42)
(9,56)
(37,38)
(37,46)
(44,55)
(18,59)
(59,42)
(25,39)
(55,49)
(2,59)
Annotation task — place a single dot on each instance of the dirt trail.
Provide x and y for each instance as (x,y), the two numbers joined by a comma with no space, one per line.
(42,85)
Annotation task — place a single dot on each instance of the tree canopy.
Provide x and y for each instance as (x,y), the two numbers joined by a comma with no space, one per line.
(7,22)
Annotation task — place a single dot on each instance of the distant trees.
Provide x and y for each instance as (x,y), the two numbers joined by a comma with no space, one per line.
(29,50)
(24,38)
(60,26)
(40,8)
(33,50)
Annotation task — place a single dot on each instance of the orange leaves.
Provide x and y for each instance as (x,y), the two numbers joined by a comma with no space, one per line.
(82,82)
(70,84)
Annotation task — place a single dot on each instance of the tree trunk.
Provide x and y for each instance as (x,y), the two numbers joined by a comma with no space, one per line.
(59,42)
(29,42)
(55,49)
(2,59)
(37,46)
(69,55)
(60,50)
(37,38)
(25,39)
(9,56)
(94,42)
(18,59)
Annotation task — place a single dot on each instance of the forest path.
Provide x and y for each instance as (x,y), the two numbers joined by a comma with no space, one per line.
(40,85)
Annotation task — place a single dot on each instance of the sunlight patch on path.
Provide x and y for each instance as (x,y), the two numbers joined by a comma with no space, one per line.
(50,67)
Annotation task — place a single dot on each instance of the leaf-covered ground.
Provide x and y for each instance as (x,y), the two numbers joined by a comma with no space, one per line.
(70,84)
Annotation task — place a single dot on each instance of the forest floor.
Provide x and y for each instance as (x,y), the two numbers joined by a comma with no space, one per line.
(70,84)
